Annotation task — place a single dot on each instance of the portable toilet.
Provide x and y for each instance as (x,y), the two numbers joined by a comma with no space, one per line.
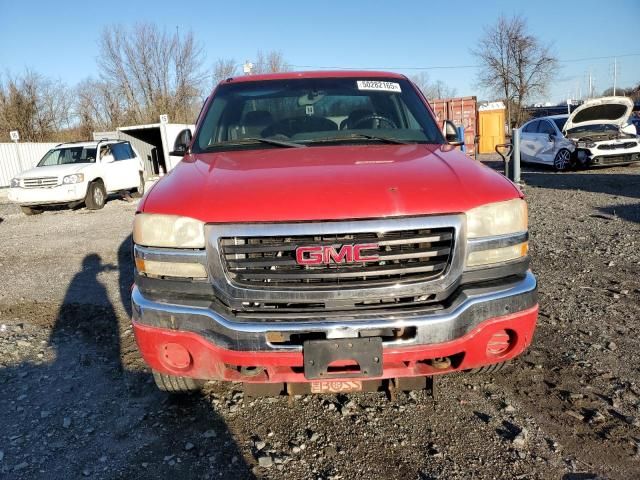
(491,118)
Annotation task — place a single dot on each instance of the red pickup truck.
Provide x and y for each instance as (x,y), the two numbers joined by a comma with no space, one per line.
(324,234)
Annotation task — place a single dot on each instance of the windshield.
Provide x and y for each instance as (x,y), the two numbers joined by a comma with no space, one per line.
(66,155)
(560,122)
(319,111)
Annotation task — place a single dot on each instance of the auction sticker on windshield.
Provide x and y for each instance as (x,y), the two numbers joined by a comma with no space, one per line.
(378,85)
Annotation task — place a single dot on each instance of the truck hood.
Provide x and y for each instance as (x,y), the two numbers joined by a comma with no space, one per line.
(54,170)
(326,183)
(599,111)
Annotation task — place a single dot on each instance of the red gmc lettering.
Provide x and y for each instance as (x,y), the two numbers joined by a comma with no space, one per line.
(344,255)
(359,257)
(316,255)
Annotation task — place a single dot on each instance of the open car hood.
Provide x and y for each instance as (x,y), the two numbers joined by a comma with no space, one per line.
(599,111)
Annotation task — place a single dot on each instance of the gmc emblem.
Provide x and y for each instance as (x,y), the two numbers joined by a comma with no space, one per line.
(326,254)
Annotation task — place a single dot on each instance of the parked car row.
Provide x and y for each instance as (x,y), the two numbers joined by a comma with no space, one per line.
(597,133)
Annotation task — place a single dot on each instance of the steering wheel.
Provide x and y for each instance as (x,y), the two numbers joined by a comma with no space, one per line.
(374,116)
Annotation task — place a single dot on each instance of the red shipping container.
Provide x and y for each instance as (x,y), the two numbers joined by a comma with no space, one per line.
(463,111)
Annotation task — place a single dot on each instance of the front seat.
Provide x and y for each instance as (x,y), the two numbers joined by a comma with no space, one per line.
(253,123)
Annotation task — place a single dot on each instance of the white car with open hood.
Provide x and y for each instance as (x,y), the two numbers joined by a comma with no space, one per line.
(75,173)
(596,133)
(602,133)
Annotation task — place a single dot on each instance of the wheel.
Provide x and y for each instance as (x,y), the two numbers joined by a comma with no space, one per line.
(140,190)
(175,384)
(493,368)
(31,210)
(96,196)
(562,160)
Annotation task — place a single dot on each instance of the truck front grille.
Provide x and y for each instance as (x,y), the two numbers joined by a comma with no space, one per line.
(617,146)
(40,182)
(613,159)
(402,256)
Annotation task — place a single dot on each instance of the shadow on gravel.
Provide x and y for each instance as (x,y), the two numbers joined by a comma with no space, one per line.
(89,414)
(630,213)
(580,476)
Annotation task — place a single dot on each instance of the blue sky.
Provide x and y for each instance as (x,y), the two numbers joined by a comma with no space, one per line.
(59,39)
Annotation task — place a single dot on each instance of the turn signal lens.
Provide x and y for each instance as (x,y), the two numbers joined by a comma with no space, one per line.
(170,269)
(497,255)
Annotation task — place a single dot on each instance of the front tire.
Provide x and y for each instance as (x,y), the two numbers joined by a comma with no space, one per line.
(96,196)
(562,160)
(31,210)
(177,385)
(493,368)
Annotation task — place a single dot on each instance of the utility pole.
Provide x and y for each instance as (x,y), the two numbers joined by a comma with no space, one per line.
(615,74)
(590,86)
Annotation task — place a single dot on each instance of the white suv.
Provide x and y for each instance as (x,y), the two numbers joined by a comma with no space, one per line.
(73,173)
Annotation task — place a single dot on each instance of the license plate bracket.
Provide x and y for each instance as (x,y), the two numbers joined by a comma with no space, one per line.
(320,354)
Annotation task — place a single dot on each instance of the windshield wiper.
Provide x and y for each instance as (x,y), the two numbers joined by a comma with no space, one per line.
(356,136)
(249,141)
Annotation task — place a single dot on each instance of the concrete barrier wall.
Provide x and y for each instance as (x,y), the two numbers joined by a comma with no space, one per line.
(17,157)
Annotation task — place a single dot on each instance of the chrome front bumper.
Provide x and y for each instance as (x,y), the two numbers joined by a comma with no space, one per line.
(470,307)
(44,196)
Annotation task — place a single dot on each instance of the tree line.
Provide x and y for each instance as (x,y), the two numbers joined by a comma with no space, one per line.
(142,72)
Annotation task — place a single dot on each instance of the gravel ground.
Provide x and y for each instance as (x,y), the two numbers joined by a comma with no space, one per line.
(76,400)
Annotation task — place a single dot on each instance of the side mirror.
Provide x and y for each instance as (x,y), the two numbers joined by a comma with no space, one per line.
(107,158)
(179,150)
(183,140)
(630,129)
(552,137)
(451,133)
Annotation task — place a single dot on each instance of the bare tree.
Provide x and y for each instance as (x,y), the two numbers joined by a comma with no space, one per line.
(153,72)
(515,65)
(35,106)
(98,107)
(631,92)
(271,62)
(533,66)
(432,90)
(224,68)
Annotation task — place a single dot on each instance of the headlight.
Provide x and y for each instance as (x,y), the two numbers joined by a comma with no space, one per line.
(154,230)
(497,232)
(15,182)
(497,219)
(75,178)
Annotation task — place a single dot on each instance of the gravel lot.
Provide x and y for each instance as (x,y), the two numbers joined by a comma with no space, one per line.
(76,401)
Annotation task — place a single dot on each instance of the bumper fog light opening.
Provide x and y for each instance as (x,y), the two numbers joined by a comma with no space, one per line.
(500,343)
(175,356)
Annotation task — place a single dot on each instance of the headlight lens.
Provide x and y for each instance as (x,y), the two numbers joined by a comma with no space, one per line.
(496,219)
(497,232)
(155,230)
(15,182)
(75,178)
